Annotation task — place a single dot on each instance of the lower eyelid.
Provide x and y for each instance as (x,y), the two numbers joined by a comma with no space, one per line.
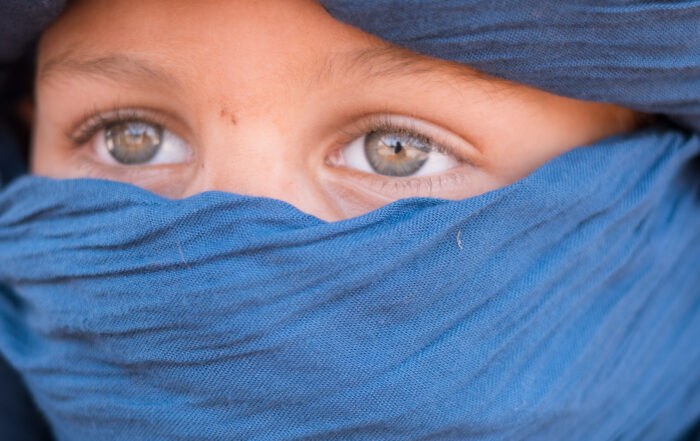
(454,180)
(143,176)
(426,186)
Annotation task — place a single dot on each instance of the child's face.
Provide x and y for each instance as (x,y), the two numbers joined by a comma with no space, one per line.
(278,99)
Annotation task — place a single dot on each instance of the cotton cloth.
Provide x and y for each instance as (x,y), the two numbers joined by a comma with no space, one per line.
(564,306)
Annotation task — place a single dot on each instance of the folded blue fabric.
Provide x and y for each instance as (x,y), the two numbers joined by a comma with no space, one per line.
(564,306)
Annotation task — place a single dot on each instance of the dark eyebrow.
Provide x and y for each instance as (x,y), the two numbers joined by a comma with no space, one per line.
(117,67)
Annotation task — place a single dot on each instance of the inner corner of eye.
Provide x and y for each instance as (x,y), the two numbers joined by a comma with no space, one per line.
(336,158)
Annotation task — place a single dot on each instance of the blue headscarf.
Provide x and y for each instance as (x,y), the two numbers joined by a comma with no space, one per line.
(564,306)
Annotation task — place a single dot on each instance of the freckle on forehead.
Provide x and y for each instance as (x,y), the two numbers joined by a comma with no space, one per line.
(227,114)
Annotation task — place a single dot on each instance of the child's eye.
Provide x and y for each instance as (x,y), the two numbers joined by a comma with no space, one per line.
(395,153)
(139,143)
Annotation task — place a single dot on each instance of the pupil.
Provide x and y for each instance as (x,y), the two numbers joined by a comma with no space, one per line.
(397,148)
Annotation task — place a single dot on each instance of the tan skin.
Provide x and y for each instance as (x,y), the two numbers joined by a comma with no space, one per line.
(278,99)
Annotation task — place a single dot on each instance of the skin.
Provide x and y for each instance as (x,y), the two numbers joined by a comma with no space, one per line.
(267,97)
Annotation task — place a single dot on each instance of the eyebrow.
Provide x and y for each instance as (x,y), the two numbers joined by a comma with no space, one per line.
(116,67)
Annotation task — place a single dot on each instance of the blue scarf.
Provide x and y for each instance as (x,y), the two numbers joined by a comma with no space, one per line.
(564,306)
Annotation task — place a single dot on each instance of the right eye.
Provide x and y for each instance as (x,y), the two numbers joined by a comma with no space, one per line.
(139,143)
(395,153)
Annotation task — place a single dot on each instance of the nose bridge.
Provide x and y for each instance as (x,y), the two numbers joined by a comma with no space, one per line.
(261,160)
(246,159)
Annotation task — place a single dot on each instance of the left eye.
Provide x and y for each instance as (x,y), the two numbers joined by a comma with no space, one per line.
(139,143)
(395,154)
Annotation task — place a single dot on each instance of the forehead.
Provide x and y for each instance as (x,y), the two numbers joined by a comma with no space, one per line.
(182,36)
(200,42)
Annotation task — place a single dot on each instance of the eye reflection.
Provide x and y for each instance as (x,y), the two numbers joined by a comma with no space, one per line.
(133,142)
